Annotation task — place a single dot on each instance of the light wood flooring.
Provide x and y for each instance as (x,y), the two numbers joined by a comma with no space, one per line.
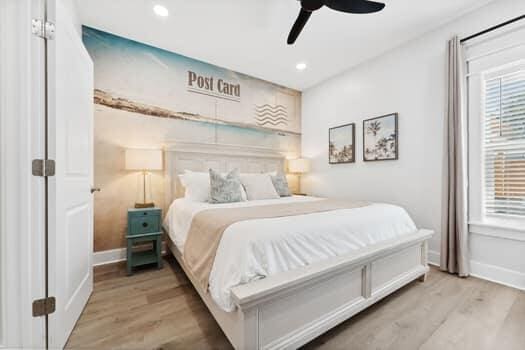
(159,309)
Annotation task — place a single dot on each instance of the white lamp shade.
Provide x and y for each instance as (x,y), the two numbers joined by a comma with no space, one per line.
(299,166)
(143,159)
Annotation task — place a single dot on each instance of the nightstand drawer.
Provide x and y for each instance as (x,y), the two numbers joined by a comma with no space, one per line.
(137,213)
(144,224)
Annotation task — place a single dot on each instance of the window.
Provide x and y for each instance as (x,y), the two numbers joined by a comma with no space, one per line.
(504,144)
(495,89)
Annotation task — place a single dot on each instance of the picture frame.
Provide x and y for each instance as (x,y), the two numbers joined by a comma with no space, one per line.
(341,144)
(380,138)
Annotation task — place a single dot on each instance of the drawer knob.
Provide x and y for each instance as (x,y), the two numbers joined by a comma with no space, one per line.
(144,224)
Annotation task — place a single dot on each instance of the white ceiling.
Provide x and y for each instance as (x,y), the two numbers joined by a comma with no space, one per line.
(249,36)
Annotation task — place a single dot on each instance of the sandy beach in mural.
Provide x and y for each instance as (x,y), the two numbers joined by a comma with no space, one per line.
(263,118)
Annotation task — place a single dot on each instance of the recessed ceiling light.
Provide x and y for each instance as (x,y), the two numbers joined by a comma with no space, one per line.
(160,11)
(301,66)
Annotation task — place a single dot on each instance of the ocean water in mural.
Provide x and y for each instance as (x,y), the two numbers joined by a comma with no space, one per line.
(143,79)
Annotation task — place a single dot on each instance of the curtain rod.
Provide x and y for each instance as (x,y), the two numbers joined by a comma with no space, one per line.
(491,29)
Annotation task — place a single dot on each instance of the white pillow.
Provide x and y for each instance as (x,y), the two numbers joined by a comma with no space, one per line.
(259,186)
(197,185)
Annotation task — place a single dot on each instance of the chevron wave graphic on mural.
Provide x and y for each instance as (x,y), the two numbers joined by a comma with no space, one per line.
(271,110)
(270,106)
(271,115)
(271,121)
(274,117)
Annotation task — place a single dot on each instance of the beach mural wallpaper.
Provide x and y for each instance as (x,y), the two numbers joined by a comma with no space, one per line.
(145,97)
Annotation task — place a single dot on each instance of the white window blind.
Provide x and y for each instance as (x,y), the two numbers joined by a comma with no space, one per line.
(504,145)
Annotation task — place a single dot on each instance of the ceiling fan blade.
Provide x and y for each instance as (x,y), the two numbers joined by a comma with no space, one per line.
(355,6)
(298,26)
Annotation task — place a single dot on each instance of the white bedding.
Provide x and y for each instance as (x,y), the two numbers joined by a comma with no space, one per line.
(253,249)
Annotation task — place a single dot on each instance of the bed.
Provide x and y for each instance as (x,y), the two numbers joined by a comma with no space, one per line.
(267,300)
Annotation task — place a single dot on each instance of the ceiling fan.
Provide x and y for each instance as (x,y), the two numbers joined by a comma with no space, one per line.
(349,6)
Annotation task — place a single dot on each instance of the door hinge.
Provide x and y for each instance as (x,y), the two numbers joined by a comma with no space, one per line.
(43,167)
(43,29)
(45,306)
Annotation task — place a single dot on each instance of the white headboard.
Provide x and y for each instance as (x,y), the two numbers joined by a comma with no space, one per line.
(180,156)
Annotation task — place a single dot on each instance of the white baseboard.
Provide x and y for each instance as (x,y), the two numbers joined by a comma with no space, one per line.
(114,255)
(433,258)
(109,256)
(511,278)
(496,274)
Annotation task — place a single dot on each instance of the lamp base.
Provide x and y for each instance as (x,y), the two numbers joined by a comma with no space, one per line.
(144,205)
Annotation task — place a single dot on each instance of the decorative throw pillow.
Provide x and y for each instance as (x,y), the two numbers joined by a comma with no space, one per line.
(225,189)
(259,186)
(281,185)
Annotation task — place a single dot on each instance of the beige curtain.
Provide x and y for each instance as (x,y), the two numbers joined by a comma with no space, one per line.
(454,237)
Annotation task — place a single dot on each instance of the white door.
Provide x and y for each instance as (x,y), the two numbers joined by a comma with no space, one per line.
(70,203)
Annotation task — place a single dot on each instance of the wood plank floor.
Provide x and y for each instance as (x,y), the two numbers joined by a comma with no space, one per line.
(159,309)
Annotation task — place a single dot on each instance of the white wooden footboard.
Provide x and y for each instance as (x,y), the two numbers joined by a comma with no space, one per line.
(288,310)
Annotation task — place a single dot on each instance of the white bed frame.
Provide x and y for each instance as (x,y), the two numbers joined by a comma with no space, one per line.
(289,309)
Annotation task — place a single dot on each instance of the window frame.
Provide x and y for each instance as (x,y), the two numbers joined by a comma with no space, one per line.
(487,59)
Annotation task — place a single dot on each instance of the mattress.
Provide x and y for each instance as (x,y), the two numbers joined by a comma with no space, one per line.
(253,249)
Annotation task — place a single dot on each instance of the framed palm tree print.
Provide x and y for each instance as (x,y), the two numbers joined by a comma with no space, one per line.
(380,140)
(341,144)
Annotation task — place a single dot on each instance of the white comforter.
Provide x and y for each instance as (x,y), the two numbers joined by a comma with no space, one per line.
(253,249)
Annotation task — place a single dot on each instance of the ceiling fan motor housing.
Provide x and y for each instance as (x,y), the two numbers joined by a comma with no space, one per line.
(311,5)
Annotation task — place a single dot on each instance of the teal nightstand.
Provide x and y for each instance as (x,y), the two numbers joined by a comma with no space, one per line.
(144,227)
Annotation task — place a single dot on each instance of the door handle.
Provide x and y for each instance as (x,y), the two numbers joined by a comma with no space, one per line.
(95,189)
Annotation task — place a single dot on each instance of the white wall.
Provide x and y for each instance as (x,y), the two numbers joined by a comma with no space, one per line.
(410,80)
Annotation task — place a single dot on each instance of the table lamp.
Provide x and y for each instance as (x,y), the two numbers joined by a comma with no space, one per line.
(299,166)
(144,160)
